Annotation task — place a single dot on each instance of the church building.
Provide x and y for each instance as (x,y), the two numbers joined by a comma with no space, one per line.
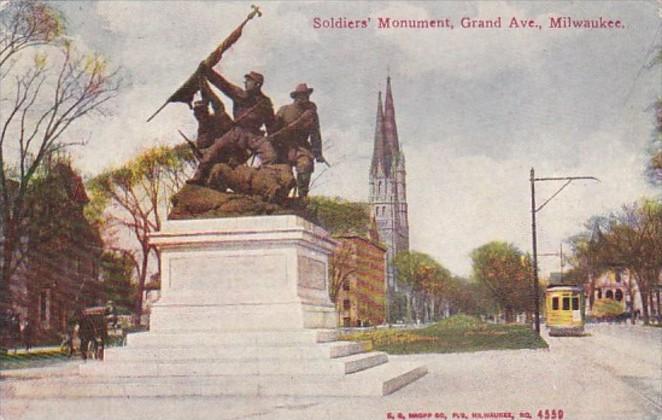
(388,188)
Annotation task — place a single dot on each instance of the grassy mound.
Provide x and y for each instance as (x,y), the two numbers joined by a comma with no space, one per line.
(456,334)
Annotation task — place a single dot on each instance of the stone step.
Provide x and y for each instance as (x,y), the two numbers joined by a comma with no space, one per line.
(337,367)
(389,377)
(219,353)
(378,381)
(362,361)
(207,339)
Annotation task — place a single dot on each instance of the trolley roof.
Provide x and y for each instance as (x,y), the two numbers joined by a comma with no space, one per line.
(559,288)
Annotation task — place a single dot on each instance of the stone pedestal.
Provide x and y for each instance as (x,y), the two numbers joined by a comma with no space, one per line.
(244,311)
(242,274)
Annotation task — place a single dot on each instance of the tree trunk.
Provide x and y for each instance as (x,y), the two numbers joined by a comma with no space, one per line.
(657,293)
(141,288)
(591,295)
(509,314)
(409,304)
(8,251)
(644,305)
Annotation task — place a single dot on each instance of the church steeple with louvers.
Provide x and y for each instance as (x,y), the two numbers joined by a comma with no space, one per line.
(388,187)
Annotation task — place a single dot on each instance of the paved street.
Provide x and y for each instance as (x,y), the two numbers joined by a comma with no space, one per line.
(615,373)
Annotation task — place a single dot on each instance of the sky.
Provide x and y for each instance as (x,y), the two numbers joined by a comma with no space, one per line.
(476,108)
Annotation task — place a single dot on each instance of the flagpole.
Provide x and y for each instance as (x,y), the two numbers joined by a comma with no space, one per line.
(158,110)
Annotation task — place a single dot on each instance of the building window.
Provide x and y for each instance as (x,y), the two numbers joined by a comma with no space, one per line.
(346,305)
(599,293)
(555,303)
(346,322)
(619,295)
(345,285)
(619,276)
(566,303)
(609,294)
(575,303)
(379,188)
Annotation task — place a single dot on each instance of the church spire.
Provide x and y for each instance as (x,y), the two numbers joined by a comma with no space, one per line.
(390,128)
(378,165)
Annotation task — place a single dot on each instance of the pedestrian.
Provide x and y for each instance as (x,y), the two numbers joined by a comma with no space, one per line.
(15,331)
(27,335)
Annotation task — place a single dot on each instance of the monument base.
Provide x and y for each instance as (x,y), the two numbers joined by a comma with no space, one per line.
(244,311)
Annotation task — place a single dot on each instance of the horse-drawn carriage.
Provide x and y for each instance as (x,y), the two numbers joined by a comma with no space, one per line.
(96,327)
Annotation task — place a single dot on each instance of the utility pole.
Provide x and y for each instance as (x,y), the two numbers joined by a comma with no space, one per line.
(534,210)
(536,300)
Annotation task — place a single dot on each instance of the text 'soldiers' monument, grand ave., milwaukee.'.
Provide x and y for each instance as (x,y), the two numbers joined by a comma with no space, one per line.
(244,307)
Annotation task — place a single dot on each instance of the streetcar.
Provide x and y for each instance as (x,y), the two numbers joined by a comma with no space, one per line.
(564,307)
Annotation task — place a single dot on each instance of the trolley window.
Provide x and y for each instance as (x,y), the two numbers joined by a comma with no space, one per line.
(575,303)
(566,303)
(555,303)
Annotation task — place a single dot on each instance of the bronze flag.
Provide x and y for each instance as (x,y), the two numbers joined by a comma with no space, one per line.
(187,90)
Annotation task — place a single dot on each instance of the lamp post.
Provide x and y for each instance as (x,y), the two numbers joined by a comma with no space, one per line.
(534,210)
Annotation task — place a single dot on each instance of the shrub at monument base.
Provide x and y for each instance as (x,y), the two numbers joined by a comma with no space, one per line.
(456,334)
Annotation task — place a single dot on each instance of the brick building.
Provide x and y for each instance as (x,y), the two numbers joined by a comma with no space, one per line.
(62,254)
(617,284)
(361,295)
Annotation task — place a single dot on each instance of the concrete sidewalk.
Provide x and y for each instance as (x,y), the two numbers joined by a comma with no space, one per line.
(470,385)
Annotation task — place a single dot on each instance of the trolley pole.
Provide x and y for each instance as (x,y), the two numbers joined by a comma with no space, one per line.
(534,210)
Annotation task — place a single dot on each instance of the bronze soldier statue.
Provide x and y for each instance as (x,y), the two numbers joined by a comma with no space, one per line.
(251,109)
(210,125)
(297,136)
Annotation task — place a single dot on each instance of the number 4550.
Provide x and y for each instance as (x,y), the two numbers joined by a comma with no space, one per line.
(550,414)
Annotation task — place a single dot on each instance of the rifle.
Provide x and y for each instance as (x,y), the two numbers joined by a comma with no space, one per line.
(196,152)
(324,161)
(187,90)
(274,137)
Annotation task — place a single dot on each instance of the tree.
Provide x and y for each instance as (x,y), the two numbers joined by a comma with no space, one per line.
(426,278)
(634,241)
(654,165)
(505,271)
(116,271)
(342,265)
(469,297)
(135,196)
(587,259)
(340,217)
(42,95)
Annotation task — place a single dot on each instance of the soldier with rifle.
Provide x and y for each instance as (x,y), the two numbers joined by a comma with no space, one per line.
(297,137)
(210,125)
(252,110)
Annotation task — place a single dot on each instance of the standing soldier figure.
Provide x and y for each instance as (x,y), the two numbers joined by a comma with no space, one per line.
(296,123)
(251,110)
(210,125)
